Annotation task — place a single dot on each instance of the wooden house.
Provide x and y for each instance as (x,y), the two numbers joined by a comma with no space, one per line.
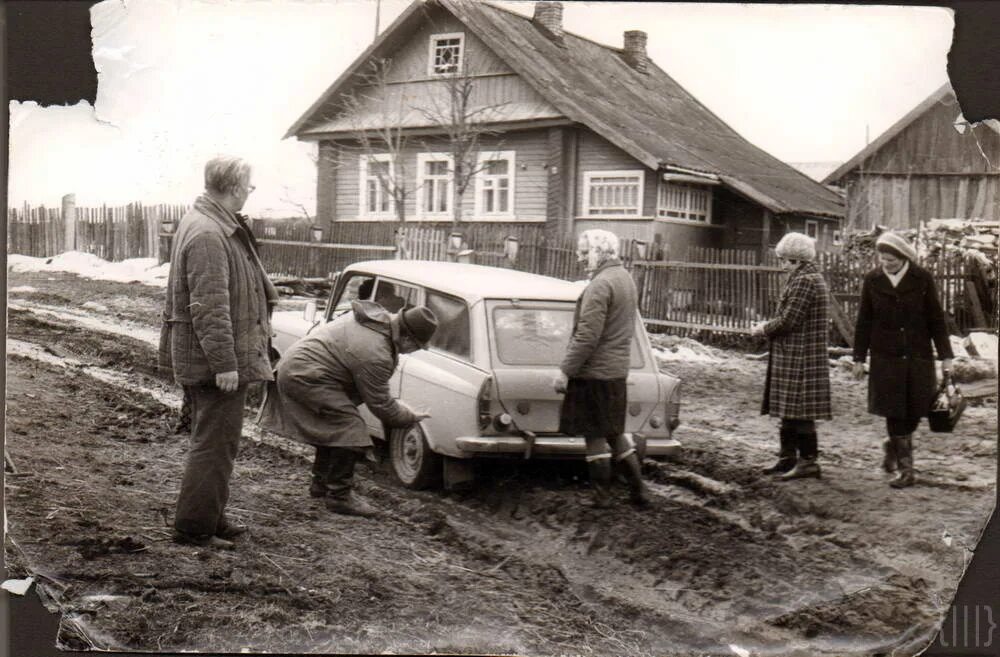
(930,165)
(579,135)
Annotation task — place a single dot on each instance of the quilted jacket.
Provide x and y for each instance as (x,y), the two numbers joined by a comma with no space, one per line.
(601,346)
(216,318)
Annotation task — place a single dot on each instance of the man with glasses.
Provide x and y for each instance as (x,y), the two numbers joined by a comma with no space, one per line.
(215,338)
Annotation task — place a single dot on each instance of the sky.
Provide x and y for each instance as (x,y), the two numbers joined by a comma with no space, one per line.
(182,80)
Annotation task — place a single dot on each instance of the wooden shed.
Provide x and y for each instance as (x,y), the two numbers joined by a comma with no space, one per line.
(931,164)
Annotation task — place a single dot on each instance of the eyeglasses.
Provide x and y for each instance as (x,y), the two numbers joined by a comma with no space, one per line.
(250,188)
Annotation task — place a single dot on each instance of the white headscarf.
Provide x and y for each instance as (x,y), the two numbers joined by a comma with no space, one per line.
(597,246)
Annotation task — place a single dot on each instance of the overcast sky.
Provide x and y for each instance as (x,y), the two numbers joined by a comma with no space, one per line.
(181,80)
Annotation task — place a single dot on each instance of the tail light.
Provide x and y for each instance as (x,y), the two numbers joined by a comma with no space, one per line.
(674,407)
(485,397)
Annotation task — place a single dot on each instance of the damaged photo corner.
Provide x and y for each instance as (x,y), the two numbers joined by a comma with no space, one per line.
(700,134)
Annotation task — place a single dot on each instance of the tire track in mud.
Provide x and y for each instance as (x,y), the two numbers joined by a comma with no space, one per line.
(706,566)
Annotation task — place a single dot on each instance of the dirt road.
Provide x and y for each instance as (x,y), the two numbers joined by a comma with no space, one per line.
(727,561)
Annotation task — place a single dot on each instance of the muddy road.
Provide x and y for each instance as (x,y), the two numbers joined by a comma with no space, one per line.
(726,559)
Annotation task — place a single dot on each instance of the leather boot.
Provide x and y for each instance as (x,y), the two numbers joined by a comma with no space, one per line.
(904,454)
(639,494)
(600,482)
(806,466)
(320,472)
(889,459)
(340,498)
(786,454)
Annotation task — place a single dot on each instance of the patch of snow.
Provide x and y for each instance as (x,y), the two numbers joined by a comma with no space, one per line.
(740,652)
(87,265)
(116,327)
(91,305)
(684,353)
(23,288)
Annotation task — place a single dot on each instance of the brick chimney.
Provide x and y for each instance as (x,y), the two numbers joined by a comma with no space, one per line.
(635,50)
(548,16)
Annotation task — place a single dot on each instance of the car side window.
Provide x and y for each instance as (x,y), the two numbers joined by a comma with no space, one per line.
(358,286)
(396,297)
(453,334)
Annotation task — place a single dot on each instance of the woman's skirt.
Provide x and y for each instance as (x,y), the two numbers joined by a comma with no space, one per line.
(594,408)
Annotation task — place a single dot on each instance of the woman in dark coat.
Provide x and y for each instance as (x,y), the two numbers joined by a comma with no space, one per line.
(899,318)
(797,388)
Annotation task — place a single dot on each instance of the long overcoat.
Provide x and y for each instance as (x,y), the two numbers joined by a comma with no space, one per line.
(898,325)
(324,377)
(217,313)
(798,367)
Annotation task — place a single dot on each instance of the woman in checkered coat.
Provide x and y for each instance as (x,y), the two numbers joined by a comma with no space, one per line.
(797,388)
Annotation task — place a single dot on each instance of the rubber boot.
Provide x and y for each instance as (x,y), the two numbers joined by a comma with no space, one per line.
(806,466)
(890,459)
(600,482)
(786,454)
(639,494)
(904,452)
(340,498)
(320,472)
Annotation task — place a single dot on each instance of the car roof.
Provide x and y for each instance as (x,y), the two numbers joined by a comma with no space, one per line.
(472,282)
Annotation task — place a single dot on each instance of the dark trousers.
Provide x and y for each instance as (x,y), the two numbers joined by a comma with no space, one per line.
(901,426)
(334,469)
(216,426)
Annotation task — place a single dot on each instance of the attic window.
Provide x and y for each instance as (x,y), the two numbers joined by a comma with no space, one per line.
(446,53)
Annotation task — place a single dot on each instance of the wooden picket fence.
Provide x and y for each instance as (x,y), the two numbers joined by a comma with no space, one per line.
(112,233)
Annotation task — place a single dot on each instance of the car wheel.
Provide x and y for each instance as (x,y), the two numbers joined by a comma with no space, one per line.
(413,462)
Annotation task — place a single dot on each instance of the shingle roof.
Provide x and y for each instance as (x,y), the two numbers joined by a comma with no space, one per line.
(649,116)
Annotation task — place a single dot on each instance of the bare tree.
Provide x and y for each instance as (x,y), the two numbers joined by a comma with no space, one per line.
(377,113)
(464,121)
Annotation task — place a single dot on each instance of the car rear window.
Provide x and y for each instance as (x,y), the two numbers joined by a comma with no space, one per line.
(539,336)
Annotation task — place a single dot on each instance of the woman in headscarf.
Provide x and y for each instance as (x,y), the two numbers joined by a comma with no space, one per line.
(899,318)
(596,365)
(797,387)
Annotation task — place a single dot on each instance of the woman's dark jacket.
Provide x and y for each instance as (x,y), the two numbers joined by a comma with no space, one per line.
(897,325)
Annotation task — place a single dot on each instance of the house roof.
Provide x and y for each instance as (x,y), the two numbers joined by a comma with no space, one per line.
(649,116)
(942,92)
(473,282)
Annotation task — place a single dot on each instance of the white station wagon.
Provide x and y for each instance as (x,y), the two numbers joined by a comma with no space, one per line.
(486,377)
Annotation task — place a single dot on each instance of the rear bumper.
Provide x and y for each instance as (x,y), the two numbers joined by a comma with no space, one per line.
(553,445)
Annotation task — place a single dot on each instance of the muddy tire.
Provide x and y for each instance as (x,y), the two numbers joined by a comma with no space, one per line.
(412,460)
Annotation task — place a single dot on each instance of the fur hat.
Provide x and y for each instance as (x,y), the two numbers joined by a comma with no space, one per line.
(420,322)
(896,245)
(796,246)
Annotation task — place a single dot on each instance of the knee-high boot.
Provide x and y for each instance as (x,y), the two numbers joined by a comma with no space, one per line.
(639,493)
(600,481)
(890,459)
(786,454)
(320,471)
(904,454)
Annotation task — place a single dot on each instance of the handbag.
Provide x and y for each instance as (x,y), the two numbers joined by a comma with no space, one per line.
(947,408)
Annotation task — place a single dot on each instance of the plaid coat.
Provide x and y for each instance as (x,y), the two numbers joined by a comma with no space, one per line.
(798,367)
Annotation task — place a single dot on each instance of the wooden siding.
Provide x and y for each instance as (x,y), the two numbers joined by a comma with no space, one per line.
(932,145)
(598,154)
(530,176)
(410,61)
(906,201)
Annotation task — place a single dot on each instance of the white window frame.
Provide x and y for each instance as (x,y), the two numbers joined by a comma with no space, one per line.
(815,227)
(689,212)
(588,177)
(432,47)
(422,160)
(482,178)
(363,211)
(838,238)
